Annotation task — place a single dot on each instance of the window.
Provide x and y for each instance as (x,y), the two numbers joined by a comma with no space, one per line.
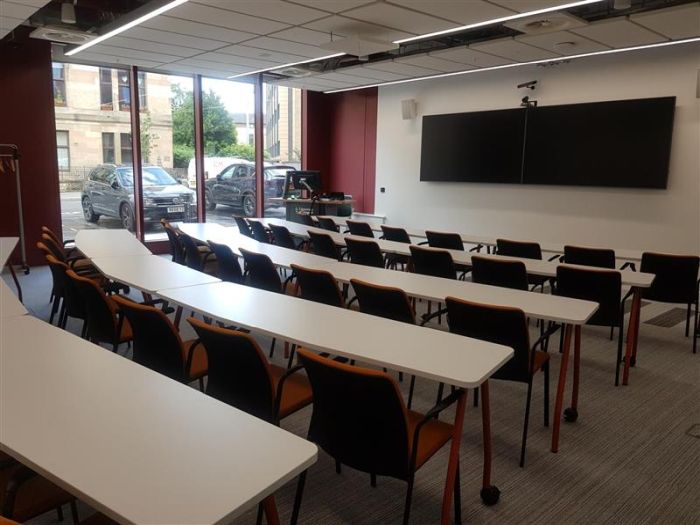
(62,150)
(59,84)
(106,95)
(123,89)
(126,151)
(108,148)
(143,99)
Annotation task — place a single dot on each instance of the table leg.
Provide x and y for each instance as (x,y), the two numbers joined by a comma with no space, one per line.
(489,493)
(270,509)
(571,413)
(560,388)
(632,333)
(454,460)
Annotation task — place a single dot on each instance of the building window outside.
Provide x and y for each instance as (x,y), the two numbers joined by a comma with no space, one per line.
(106,94)
(125,148)
(59,84)
(62,150)
(108,148)
(143,98)
(123,90)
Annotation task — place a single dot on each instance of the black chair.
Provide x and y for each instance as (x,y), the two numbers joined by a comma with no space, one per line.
(71,302)
(228,265)
(525,250)
(395,234)
(322,244)
(177,250)
(307,220)
(505,326)
(496,272)
(328,224)
(429,261)
(318,285)
(197,259)
(603,287)
(361,229)
(243,226)
(676,282)
(282,237)
(359,418)
(598,257)
(366,253)
(259,232)
(262,272)
(448,241)
(240,375)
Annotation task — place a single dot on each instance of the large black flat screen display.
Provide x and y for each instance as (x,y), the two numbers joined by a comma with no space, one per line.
(486,146)
(625,143)
(620,143)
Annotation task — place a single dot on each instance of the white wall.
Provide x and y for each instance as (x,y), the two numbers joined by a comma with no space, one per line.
(624,218)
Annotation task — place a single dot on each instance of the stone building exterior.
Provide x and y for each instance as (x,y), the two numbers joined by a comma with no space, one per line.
(282,123)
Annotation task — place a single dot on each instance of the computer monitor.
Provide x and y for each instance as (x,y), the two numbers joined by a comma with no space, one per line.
(301,182)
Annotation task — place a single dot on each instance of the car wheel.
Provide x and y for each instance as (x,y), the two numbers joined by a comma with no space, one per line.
(249,205)
(211,205)
(88,212)
(127,217)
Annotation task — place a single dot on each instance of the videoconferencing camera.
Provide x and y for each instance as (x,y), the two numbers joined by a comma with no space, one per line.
(528,85)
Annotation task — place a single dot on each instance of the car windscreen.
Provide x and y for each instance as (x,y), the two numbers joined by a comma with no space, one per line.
(273,173)
(152,176)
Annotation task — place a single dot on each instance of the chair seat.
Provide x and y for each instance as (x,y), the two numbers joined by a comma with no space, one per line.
(433,436)
(540,359)
(34,497)
(200,365)
(296,393)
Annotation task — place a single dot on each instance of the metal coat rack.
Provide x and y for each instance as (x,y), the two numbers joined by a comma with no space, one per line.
(11,152)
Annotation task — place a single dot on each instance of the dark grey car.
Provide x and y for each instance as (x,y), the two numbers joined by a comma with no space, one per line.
(109,191)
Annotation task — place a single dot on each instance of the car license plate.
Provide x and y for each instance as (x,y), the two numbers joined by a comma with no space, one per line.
(176,209)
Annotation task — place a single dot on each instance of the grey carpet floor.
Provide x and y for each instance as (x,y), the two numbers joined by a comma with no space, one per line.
(631,457)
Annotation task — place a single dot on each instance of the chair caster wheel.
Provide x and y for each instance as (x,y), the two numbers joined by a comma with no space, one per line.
(570,415)
(490,495)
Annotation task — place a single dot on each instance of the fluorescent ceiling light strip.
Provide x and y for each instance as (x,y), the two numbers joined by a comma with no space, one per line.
(520,64)
(498,20)
(125,27)
(274,68)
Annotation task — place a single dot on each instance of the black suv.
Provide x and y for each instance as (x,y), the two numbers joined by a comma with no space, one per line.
(235,186)
(109,191)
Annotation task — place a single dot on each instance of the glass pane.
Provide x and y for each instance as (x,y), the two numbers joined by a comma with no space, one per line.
(229,142)
(167,149)
(88,154)
(282,117)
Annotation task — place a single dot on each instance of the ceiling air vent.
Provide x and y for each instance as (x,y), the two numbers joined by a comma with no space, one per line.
(546,23)
(295,72)
(59,34)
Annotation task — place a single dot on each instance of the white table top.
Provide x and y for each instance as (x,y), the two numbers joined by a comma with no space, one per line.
(109,243)
(433,354)
(133,443)
(150,273)
(7,245)
(10,306)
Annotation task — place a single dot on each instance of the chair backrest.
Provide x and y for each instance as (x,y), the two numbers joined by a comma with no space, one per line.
(429,261)
(383,301)
(55,249)
(366,253)
(328,224)
(48,231)
(676,277)
(601,286)
(238,372)
(318,285)
(444,240)
(259,232)
(527,250)
(229,267)
(361,229)
(193,257)
(496,272)
(598,257)
(261,272)
(496,324)
(72,298)
(157,344)
(282,237)
(101,310)
(58,273)
(177,250)
(359,416)
(243,226)
(305,218)
(322,244)
(392,233)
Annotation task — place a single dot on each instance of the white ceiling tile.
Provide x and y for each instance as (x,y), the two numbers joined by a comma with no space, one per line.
(192,69)
(471,57)
(187,27)
(402,68)
(333,6)
(34,3)
(225,18)
(135,43)
(8,24)
(228,69)
(433,62)
(522,6)
(131,54)
(166,37)
(285,46)
(376,74)
(303,36)
(342,78)
(458,11)
(618,32)
(111,60)
(399,18)
(246,62)
(514,50)
(13,10)
(262,54)
(549,42)
(677,22)
(270,9)
(342,26)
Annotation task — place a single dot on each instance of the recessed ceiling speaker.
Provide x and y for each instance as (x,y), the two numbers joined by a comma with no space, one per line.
(68,12)
(409,109)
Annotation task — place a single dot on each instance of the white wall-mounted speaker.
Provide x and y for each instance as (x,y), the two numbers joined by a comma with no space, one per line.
(409,109)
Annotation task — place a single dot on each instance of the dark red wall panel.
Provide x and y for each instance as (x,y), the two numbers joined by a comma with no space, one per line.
(27,119)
